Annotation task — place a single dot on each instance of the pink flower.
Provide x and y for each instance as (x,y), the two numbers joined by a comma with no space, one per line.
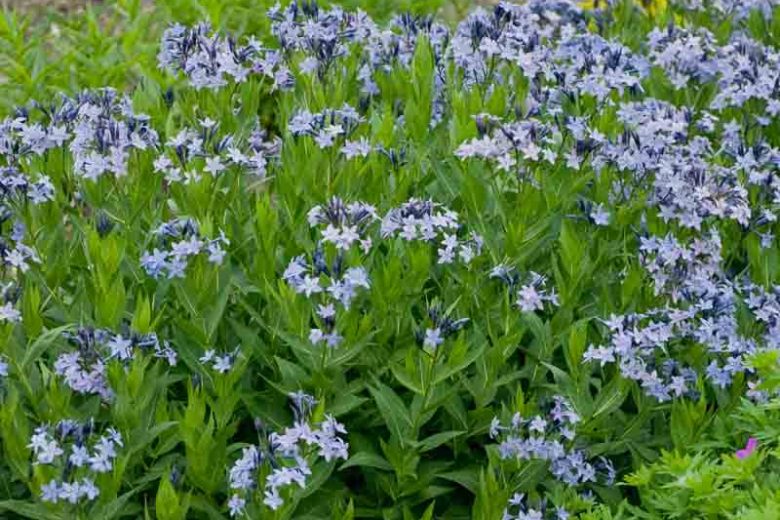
(749,448)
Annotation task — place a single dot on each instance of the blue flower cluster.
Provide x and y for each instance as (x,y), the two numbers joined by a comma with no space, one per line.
(289,454)
(549,438)
(80,453)
(84,369)
(185,242)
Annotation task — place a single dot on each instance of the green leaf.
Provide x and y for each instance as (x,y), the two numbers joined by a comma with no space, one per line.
(27,510)
(292,374)
(167,506)
(611,396)
(437,439)
(142,317)
(468,478)
(572,249)
(540,331)
(367,459)
(575,347)
(392,409)
(31,310)
(214,316)
(451,369)
(42,343)
(113,508)
(403,377)
(428,515)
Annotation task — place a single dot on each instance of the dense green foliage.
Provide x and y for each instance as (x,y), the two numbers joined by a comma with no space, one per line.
(418,410)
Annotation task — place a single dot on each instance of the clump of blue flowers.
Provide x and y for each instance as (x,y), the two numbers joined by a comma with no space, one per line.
(80,453)
(181,241)
(290,455)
